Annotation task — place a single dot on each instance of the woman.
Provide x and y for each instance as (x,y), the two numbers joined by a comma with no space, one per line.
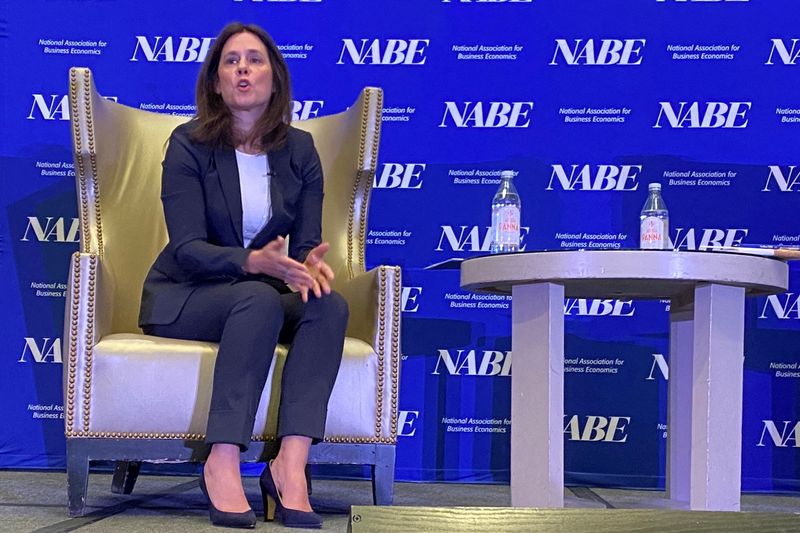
(236,180)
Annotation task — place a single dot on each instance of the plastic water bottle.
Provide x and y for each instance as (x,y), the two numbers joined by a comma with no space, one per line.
(505,216)
(654,221)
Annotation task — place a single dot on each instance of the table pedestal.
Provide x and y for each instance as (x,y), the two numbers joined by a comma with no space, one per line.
(707,292)
(704,444)
(537,396)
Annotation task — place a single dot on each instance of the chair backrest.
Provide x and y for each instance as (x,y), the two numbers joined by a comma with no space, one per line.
(118,152)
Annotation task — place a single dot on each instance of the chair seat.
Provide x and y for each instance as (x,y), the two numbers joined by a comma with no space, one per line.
(165,390)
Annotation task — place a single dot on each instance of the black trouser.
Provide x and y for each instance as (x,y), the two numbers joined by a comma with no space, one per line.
(248,319)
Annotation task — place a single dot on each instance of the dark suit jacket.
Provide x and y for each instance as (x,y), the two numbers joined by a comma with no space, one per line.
(203,210)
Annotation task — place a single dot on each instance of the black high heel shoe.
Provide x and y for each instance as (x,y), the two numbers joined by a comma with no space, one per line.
(274,506)
(245,520)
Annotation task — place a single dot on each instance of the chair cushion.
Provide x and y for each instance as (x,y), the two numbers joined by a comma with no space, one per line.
(156,387)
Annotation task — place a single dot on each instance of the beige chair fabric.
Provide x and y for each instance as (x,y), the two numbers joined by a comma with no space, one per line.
(126,389)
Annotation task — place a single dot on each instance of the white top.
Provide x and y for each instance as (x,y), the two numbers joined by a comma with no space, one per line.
(254,178)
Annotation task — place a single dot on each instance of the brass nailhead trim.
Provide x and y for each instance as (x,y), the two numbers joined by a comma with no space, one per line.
(72,364)
(201,437)
(369,176)
(264,438)
(395,350)
(81,177)
(87,96)
(350,212)
(366,179)
(127,435)
(362,138)
(363,183)
(358,440)
(381,348)
(81,164)
(357,182)
(89,340)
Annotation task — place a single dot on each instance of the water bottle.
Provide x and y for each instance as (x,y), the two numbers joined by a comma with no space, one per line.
(654,221)
(505,216)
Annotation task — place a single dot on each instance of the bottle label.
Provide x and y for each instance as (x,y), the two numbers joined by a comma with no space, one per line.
(652,234)
(505,221)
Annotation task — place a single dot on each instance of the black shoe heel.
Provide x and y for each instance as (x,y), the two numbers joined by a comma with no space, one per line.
(245,520)
(274,506)
(269,506)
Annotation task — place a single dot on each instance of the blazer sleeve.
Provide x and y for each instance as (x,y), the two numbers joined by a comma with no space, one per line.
(306,231)
(185,212)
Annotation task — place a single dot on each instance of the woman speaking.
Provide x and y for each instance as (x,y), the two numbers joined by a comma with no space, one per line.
(237,182)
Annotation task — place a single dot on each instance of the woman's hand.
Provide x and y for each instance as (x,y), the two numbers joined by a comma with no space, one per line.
(319,270)
(272,261)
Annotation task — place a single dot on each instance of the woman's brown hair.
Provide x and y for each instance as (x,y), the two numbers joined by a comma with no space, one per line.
(214,119)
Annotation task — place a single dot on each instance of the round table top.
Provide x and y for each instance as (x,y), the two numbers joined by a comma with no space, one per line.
(636,274)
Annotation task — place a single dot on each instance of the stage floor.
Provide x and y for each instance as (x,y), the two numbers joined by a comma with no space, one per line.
(36,501)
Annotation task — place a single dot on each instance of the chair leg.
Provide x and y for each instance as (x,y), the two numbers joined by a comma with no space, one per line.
(125,475)
(383,475)
(77,476)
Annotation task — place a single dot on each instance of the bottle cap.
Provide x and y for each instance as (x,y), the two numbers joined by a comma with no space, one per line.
(507,174)
(654,187)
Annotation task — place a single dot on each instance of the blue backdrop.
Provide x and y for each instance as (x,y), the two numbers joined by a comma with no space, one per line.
(587,100)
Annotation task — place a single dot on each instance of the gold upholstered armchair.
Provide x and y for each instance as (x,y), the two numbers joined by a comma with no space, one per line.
(134,398)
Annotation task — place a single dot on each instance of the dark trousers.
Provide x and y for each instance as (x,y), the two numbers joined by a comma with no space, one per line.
(248,319)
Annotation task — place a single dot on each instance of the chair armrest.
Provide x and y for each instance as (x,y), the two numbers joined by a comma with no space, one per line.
(374,301)
(87,318)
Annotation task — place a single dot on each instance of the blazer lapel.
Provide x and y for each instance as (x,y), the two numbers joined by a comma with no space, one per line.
(228,173)
(279,169)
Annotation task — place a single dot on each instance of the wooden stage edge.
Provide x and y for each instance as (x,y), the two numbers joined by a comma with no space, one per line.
(507,519)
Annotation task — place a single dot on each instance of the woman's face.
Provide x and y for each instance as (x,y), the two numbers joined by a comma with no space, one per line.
(244,75)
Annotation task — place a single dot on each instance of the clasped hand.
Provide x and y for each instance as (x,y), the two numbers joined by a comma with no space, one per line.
(313,274)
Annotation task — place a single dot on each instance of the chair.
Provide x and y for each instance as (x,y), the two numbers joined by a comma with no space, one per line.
(130,397)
